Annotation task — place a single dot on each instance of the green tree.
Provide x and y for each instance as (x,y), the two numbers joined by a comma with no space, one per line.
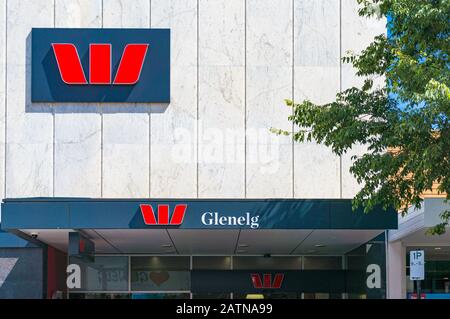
(409,114)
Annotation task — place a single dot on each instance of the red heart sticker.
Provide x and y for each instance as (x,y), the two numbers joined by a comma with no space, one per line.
(159,277)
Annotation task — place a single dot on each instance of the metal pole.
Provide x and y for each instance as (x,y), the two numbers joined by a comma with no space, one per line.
(418,289)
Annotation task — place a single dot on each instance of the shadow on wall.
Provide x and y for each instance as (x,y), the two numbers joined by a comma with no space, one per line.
(76,107)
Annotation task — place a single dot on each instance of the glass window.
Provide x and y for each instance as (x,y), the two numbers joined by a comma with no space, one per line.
(259,262)
(98,296)
(437,273)
(105,273)
(165,295)
(161,262)
(356,296)
(160,273)
(355,262)
(211,296)
(269,295)
(322,262)
(322,295)
(211,262)
(366,270)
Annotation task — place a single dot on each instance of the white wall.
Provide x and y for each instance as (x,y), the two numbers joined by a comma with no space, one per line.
(232,64)
(356,34)
(77,127)
(396,270)
(317,69)
(2,95)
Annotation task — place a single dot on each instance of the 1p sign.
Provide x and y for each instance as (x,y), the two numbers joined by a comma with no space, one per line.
(100,65)
(417,265)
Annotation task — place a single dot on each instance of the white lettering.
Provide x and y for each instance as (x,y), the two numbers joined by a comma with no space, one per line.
(374,279)
(188,309)
(74,278)
(206,219)
(254,221)
(214,219)
(223,221)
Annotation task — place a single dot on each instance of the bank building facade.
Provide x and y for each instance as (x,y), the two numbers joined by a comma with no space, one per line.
(137,160)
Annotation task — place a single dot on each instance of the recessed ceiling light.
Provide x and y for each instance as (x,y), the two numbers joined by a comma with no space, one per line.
(319,245)
(445,278)
(437,248)
(239,251)
(166,245)
(243,245)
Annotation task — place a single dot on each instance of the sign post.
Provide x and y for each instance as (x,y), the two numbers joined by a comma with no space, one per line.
(417,268)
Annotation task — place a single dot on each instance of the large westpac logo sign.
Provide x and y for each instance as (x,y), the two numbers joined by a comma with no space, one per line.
(72,73)
(100,65)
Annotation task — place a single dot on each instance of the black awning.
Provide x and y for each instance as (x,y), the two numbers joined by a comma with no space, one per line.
(84,213)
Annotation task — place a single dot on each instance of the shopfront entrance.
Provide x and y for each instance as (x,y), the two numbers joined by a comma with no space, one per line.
(161,277)
(189,248)
(239,277)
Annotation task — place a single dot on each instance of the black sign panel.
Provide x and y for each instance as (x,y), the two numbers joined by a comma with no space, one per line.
(258,281)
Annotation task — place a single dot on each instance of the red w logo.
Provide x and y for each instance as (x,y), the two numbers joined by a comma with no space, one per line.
(163,214)
(128,73)
(267,281)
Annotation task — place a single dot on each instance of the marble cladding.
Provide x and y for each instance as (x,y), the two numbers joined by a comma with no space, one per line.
(233,63)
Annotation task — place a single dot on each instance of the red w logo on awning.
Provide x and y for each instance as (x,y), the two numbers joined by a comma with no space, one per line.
(100,59)
(163,214)
(266,282)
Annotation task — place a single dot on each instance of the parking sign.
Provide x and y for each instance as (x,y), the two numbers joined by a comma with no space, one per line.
(417,265)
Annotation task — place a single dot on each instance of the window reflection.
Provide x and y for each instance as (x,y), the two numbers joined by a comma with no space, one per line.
(159,273)
(105,273)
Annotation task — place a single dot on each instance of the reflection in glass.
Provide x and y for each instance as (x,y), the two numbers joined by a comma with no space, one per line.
(98,296)
(159,273)
(322,262)
(160,295)
(106,273)
(366,270)
(437,276)
(211,296)
(211,262)
(266,263)
(268,295)
(322,295)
